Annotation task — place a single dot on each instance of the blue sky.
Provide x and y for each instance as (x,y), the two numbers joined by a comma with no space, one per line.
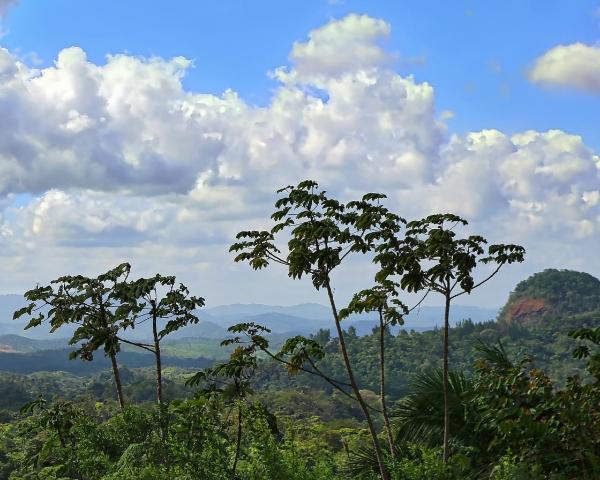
(114,147)
(474,53)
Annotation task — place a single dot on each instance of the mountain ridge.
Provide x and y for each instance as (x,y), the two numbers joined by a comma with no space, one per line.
(299,319)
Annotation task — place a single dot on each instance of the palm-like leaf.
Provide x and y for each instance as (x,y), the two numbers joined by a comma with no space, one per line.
(493,356)
(419,416)
(361,465)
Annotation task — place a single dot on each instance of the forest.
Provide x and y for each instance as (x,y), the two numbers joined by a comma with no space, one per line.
(512,398)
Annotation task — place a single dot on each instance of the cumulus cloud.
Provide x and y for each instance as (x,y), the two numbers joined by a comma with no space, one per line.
(575,66)
(342,46)
(118,161)
(129,126)
(543,180)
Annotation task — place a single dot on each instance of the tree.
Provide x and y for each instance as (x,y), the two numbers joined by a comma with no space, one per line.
(232,378)
(381,299)
(89,303)
(322,337)
(142,301)
(323,232)
(591,335)
(432,258)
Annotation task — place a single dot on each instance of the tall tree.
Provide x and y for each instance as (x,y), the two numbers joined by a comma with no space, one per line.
(433,258)
(383,300)
(323,232)
(168,306)
(89,303)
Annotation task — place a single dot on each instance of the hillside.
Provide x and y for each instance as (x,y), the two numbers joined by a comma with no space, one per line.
(536,320)
(58,360)
(552,294)
(11,343)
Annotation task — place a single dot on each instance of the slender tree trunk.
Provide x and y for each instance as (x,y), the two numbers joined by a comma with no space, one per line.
(163,416)
(384,412)
(446,402)
(117,375)
(378,453)
(159,393)
(113,360)
(238,440)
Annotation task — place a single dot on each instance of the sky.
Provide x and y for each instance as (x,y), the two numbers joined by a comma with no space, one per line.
(153,133)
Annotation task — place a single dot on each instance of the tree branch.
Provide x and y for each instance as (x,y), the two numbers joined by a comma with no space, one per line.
(137,344)
(478,284)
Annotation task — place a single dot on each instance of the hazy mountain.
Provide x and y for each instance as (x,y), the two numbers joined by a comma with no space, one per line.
(204,329)
(424,317)
(35,349)
(303,319)
(18,343)
(238,311)
(283,323)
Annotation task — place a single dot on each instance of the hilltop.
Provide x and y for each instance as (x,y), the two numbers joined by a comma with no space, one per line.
(552,294)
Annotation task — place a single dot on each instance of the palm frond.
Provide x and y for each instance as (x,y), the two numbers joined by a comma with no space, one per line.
(362,462)
(494,356)
(419,417)
(361,465)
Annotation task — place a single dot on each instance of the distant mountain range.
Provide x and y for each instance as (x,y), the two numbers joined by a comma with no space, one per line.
(309,317)
(299,319)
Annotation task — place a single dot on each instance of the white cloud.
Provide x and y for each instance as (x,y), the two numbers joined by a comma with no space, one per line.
(575,66)
(342,46)
(119,161)
(544,180)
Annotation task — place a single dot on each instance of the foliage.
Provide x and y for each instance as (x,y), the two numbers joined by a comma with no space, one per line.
(433,258)
(248,418)
(565,292)
(128,444)
(556,432)
(419,415)
(509,422)
(323,232)
(91,304)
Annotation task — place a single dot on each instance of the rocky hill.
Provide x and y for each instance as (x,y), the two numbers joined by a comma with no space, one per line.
(552,294)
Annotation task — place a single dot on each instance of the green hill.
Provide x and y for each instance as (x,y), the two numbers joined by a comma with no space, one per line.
(552,294)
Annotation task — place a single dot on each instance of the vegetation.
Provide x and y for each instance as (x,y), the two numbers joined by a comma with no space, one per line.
(560,292)
(432,258)
(324,232)
(90,303)
(520,401)
(142,301)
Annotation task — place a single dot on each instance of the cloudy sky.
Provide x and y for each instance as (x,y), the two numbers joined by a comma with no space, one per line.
(153,132)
